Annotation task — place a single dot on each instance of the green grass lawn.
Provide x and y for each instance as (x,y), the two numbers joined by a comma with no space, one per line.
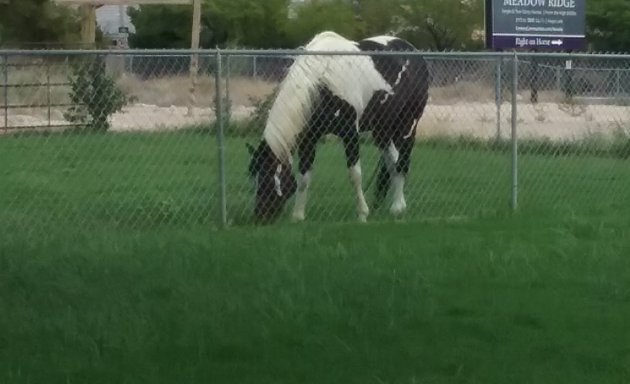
(143,181)
(111,270)
(520,300)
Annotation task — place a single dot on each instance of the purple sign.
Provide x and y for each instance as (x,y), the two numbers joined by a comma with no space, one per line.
(536,24)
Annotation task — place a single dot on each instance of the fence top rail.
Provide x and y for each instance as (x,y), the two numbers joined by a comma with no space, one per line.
(233,52)
(4,53)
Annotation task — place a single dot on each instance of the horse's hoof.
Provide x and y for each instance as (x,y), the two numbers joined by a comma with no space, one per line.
(398,208)
(298,217)
(362,218)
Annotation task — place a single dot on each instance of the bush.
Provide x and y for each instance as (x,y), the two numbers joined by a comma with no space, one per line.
(256,123)
(95,96)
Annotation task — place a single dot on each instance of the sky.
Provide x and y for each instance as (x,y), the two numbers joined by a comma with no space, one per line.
(108,19)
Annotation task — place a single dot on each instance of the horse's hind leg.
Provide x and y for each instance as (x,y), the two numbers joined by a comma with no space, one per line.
(389,156)
(351,145)
(382,183)
(392,157)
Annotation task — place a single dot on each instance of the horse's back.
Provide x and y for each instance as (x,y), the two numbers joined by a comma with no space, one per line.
(409,78)
(330,41)
(385,43)
(390,66)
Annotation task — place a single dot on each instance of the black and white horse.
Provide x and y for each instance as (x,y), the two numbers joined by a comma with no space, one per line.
(342,95)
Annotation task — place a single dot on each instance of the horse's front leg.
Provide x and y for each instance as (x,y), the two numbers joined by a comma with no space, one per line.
(351,145)
(400,170)
(306,153)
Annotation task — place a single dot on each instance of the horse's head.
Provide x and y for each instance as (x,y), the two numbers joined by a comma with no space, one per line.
(274,182)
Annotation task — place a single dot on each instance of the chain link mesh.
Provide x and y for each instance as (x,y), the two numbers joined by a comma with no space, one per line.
(574,133)
(97,163)
(119,140)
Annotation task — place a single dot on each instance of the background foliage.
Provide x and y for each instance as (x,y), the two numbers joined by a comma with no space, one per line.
(429,24)
(608,23)
(95,95)
(37,21)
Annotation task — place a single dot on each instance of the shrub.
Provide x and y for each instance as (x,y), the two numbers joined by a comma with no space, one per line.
(256,123)
(94,95)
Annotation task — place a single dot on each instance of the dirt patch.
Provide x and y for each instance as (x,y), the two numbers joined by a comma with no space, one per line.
(452,111)
(168,91)
(553,121)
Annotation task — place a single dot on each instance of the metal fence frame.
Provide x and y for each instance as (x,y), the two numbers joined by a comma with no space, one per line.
(512,60)
(5,85)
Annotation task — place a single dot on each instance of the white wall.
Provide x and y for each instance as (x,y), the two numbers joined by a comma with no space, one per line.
(107,18)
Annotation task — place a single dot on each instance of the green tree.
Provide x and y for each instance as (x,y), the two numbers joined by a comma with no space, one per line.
(245,23)
(608,25)
(318,15)
(164,26)
(435,24)
(441,24)
(37,21)
(251,23)
(376,16)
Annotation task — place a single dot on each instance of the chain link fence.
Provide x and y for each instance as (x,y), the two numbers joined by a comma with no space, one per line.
(132,139)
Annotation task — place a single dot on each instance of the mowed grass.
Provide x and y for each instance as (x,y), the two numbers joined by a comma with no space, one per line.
(136,180)
(111,269)
(512,300)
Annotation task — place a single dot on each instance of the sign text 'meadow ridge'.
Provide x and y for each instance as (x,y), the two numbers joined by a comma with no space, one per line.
(540,3)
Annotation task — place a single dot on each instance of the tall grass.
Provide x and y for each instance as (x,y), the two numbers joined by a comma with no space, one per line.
(515,300)
(617,146)
(111,270)
(144,180)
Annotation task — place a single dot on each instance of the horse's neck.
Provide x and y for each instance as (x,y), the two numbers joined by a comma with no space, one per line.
(288,118)
(280,148)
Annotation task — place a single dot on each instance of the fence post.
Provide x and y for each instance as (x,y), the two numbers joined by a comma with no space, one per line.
(498,96)
(514,200)
(558,79)
(228,105)
(48,98)
(5,81)
(534,76)
(219,128)
(617,82)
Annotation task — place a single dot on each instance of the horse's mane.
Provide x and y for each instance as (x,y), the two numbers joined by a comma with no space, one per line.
(352,78)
